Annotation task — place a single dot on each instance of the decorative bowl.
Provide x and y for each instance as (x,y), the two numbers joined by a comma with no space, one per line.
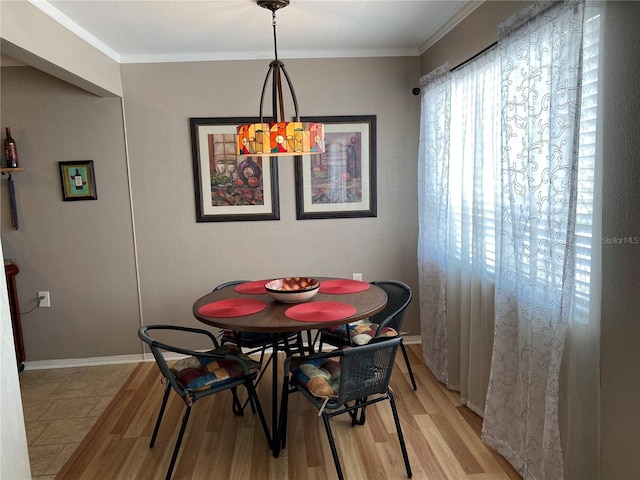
(292,289)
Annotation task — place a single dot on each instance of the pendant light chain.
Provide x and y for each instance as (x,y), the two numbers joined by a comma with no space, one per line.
(278,98)
(275,42)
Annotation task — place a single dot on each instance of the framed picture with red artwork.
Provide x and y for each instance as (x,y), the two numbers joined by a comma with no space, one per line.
(229,187)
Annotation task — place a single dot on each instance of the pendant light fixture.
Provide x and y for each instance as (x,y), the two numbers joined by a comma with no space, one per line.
(279,137)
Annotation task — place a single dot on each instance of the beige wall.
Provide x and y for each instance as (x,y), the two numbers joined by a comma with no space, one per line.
(620,335)
(181,259)
(620,331)
(83,253)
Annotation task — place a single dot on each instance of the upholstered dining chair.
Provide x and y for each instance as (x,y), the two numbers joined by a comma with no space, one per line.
(200,374)
(346,380)
(386,323)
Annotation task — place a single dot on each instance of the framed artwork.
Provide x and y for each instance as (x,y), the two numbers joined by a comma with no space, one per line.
(340,183)
(228,187)
(78,180)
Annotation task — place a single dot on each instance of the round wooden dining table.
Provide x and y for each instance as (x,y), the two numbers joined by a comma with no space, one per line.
(354,300)
(273,318)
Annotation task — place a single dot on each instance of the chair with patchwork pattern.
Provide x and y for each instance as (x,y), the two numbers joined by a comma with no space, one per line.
(386,323)
(200,374)
(346,380)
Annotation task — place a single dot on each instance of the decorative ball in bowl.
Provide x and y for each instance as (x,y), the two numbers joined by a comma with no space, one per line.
(292,289)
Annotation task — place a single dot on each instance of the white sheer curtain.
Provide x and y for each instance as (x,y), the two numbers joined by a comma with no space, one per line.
(433,206)
(457,224)
(509,238)
(580,374)
(541,54)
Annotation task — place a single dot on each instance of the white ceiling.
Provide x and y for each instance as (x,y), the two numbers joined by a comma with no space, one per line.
(188,30)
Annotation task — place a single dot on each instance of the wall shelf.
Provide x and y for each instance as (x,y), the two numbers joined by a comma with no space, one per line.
(10,169)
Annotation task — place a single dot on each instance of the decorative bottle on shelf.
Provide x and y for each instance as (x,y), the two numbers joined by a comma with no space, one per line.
(10,150)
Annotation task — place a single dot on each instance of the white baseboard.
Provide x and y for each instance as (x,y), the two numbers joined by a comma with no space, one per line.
(412,339)
(85,362)
(146,357)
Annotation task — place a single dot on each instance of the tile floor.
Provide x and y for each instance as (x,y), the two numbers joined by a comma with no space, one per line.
(60,407)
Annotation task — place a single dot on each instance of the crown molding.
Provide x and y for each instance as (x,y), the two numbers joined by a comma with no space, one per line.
(73,27)
(463,13)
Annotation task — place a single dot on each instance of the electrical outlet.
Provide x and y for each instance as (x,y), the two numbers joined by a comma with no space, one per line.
(357,276)
(44,299)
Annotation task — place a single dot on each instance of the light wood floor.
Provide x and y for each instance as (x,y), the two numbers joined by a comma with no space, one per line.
(442,437)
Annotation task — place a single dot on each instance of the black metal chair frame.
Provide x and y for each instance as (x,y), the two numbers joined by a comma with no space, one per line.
(365,371)
(191,396)
(391,316)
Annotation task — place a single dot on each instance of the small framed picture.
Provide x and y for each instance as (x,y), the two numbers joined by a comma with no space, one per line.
(78,180)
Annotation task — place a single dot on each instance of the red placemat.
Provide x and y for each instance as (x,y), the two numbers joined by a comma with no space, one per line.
(251,288)
(320,311)
(343,286)
(232,307)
